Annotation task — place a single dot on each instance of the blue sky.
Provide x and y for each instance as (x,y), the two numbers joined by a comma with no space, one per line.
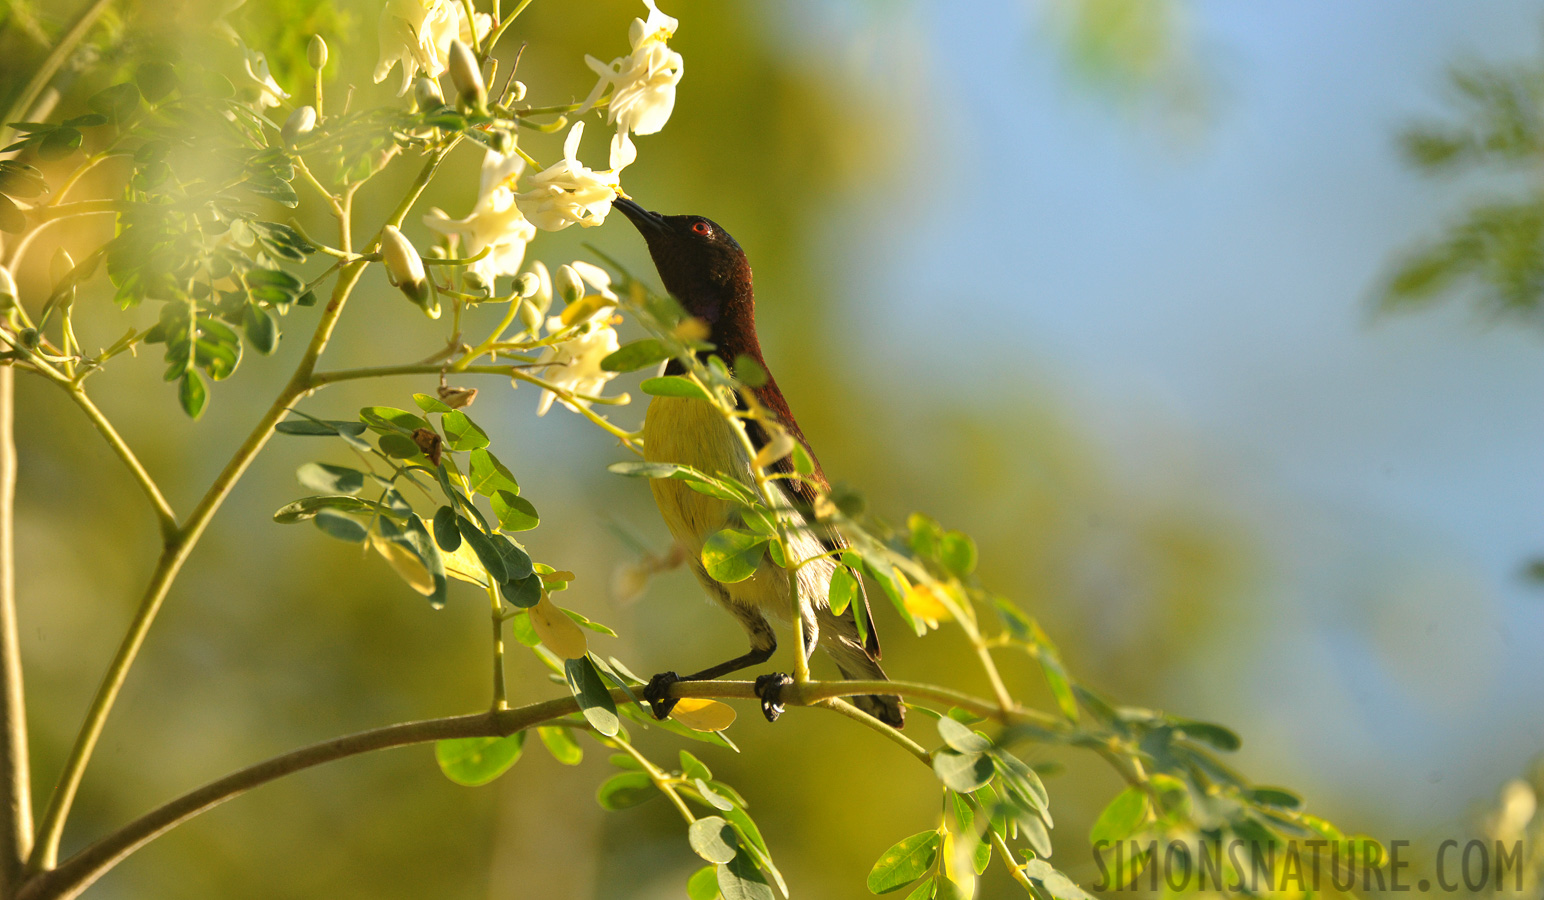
(1209,295)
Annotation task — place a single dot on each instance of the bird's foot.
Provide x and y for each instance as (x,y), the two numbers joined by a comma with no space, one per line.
(769,688)
(658,694)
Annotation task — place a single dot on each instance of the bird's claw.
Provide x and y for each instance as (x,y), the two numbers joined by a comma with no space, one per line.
(769,688)
(658,694)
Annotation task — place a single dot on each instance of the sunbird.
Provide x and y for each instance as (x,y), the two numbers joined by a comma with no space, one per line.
(705,270)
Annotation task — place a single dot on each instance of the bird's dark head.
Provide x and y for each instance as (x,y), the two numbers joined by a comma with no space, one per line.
(700,264)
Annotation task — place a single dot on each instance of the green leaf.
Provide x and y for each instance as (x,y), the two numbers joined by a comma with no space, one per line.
(446,533)
(308,507)
(844,589)
(117,102)
(692,767)
(561,744)
(731,555)
(713,839)
(924,891)
(340,526)
(59,143)
(961,737)
(482,546)
(515,513)
(957,552)
(1121,818)
(594,700)
(1207,733)
(156,79)
(390,420)
(520,626)
(703,885)
(517,563)
(712,797)
(740,879)
(1033,829)
(673,386)
(261,329)
(625,790)
(1274,796)
(489,476)
(21,180)
(749,372)
(330,479)
(904,863)
(963,772)
(635,356)
(1021,780)
(479,760)
(461,433)
(431,404)
(192,394)
(1056,884)
(524,593)
(318,428)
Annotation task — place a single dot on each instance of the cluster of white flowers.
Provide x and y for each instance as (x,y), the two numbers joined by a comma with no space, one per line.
(574,364)
(643,84)
(496,222)
(418,34)
(422,35)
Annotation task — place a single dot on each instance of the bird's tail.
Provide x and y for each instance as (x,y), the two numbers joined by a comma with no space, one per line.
(857,666)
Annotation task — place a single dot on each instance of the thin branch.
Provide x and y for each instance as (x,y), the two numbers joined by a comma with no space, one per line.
(78,872)
(51,826)
(15,772)
(163,509)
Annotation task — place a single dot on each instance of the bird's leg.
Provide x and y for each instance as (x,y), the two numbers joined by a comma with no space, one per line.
(658,690)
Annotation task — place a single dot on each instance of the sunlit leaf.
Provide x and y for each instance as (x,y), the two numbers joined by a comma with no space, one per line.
(558,632)
(732,555)
(479,760)
(905,862)
(561,744)
(594,700)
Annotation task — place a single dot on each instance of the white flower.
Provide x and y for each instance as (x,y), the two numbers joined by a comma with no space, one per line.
(574,365)
(569,192)
(268,91)
(417,33)
(495,221)
(595,277)
(643,83)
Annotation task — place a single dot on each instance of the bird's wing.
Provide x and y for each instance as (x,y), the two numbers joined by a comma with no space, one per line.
(802,495)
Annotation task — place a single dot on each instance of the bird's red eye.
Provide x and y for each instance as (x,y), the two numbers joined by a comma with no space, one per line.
(702,228)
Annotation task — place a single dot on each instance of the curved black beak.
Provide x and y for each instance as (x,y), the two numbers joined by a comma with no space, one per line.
(644,220)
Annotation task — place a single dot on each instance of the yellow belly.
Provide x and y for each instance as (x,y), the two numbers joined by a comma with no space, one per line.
(692,433)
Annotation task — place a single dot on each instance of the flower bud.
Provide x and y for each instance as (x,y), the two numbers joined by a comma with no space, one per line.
(530,316)
(474,281)
(541,301)
(570,288)
(405,268)
(517,91)
(527,284)
(29,338)
(300,122)
(59,269)
(426,91)
(467,77)
(503,142)
(316,52)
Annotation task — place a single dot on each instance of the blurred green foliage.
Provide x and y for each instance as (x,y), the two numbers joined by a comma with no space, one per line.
(1492,252)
